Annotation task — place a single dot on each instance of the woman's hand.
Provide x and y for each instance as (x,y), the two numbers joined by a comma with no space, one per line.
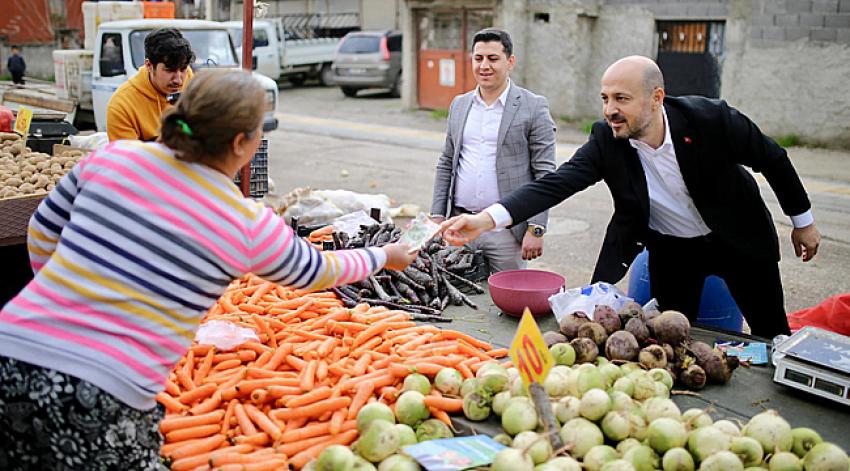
(399,256)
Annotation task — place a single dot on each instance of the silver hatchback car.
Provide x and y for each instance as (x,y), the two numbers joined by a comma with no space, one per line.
(368,59)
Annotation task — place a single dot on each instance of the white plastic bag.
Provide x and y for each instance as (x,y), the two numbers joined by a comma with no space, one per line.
(92,141)
(586,298)
(350,223)
(224,335)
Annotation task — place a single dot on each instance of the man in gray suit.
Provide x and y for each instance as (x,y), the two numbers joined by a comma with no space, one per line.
(500,136)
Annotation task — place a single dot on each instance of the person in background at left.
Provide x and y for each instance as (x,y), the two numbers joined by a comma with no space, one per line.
(135,109)
(16,66)
(129,251)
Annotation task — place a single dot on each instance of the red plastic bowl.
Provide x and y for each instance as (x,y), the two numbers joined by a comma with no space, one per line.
(514,290)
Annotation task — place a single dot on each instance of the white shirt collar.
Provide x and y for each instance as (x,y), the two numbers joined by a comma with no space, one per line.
(502,98)
(668,140)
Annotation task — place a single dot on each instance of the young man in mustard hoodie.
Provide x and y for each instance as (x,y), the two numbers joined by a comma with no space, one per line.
(135,108)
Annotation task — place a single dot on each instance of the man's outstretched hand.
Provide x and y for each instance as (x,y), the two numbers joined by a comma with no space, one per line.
(465,228)
(805,241)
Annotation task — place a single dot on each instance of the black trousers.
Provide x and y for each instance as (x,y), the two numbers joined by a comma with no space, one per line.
(677,271)
(17,77)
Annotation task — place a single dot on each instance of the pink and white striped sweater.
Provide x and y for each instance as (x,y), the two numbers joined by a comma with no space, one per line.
(130,250)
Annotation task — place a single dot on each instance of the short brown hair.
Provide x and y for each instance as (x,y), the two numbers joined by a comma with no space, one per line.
(216,106)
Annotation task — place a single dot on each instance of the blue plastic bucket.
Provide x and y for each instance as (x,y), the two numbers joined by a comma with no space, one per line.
(717,308)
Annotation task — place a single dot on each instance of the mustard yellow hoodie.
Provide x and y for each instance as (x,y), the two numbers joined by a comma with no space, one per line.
(135,108)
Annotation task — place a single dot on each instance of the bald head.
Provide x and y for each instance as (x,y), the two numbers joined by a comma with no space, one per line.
(636,69)
(633,97)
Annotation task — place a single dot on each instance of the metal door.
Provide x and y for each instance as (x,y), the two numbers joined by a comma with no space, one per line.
(444,68)
(690,55)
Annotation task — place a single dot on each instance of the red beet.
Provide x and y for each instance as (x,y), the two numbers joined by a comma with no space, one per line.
(693,378)
(606,317)
(552,337)
(718,366)
(671,327)
(621,345)
(653,356)
(629,310)
(638,328)
(671,354)
(586,350)
(593,331)
(571,322)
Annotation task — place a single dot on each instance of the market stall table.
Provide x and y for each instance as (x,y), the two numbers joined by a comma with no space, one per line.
(750,391)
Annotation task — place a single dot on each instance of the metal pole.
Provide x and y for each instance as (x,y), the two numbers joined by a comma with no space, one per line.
(247,64)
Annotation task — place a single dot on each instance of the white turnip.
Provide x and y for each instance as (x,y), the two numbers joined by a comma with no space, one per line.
(722,461)
(448,381)
(748,449)
(677,459)
(771,430)
(825,457)
(597,456)
(666,433)
(706,441)
(580,435)
(537,447)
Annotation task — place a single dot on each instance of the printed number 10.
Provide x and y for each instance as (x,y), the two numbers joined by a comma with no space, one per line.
(528,356)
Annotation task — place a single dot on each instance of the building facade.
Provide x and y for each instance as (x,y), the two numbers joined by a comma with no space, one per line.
(784,63)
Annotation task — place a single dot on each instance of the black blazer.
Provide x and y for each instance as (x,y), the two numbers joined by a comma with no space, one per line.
(712,142)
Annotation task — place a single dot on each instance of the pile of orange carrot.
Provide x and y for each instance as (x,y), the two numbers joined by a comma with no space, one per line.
(322,234)
(282,400)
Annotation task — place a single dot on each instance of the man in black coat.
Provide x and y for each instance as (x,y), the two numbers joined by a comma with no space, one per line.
(675,169)
(17,67)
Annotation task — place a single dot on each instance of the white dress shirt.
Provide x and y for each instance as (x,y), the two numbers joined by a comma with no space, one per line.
(671,209)
(477,185)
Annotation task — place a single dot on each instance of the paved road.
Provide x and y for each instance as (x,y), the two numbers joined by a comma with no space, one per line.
(368,144)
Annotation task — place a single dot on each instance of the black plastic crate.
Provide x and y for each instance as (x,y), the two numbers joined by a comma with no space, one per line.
(43,134)
(259,171)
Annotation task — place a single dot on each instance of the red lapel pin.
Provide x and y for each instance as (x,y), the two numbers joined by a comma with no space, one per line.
(687,140)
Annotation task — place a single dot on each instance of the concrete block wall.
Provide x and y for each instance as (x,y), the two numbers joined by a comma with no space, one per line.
(776,22)
(789,78)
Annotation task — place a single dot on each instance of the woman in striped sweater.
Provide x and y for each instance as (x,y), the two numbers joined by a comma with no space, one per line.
(129,251)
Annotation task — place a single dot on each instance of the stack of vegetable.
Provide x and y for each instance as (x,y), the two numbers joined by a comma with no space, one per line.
(655,339)
(23,172)
(433,282)
(620,418)
(299,390)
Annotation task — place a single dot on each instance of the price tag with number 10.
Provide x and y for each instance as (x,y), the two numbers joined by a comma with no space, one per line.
(529,352)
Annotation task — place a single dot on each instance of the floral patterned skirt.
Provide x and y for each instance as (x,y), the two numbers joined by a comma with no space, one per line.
(50,420)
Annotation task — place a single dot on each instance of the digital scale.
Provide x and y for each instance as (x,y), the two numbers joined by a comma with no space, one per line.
(816,361)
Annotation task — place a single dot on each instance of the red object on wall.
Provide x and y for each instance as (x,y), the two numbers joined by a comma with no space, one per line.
(26,22)
(6,118)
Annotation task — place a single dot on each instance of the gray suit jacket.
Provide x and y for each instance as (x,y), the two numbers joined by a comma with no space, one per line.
(525,149)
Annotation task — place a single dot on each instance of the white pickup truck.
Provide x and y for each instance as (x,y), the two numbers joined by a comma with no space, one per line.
(118,54)
(280,53)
